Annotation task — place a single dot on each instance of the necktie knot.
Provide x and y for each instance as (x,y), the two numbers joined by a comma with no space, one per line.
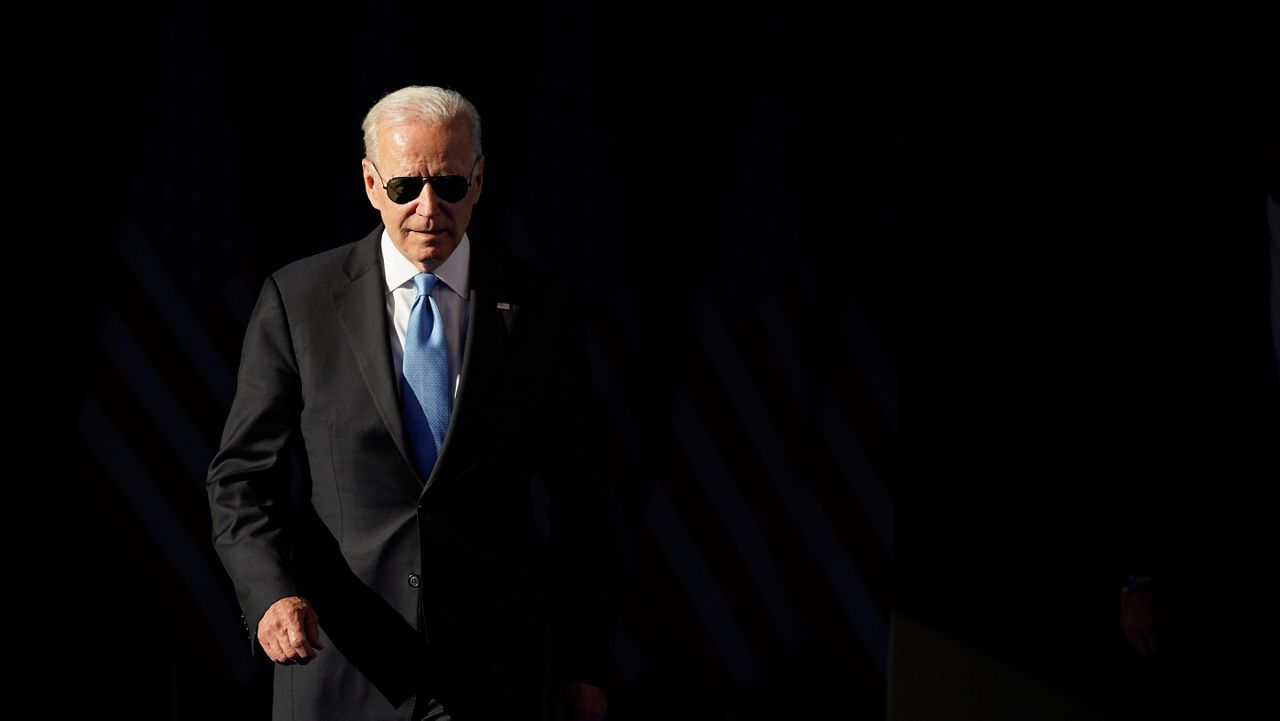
(424,282)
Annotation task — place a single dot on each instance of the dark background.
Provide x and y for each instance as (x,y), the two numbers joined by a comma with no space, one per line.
(886,325)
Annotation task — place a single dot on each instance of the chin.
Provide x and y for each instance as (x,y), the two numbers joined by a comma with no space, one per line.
(436,255)
(440,250)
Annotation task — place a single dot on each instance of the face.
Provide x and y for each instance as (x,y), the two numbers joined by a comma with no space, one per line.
(426,229)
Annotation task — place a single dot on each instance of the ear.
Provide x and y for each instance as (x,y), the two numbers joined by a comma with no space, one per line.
(371,185)
(479,181)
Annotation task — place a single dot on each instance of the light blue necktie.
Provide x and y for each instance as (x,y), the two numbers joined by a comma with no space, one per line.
(425,376)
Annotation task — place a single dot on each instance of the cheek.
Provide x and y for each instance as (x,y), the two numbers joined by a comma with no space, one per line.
(394,215)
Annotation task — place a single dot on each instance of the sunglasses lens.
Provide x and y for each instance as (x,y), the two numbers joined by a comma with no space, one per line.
(403,190)
(450,188)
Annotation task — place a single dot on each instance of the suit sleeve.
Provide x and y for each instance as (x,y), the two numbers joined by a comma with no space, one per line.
(583,528)
(248,480)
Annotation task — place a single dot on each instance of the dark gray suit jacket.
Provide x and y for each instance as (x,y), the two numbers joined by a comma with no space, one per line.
(442,583)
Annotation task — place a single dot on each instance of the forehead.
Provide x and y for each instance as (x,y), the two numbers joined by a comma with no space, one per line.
(422,148)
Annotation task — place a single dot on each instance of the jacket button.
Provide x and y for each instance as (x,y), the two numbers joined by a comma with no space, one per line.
(414,581)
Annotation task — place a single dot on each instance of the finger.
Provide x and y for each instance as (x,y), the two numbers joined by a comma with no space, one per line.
(313,630)
(305,652)
(295,657)
(279,655)
(270,642)
(298,648)
(288,654)
(287,636)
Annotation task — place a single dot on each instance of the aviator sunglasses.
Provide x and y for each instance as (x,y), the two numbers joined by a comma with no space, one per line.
(449,188)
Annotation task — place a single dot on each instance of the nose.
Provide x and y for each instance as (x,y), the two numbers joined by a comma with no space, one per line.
(429,205)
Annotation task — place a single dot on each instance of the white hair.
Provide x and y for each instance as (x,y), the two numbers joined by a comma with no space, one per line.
(419,103)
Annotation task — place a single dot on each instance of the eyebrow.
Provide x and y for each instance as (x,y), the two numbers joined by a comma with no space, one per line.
(429,176)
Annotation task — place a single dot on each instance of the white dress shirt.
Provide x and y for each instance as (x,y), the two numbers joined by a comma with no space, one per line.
(450,294)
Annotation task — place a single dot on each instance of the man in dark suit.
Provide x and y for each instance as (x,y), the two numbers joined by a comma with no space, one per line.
(426,382)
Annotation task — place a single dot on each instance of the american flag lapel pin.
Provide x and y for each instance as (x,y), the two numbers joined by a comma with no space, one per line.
(509,311)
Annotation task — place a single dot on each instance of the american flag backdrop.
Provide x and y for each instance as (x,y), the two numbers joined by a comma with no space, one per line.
(891,325)
(727,218)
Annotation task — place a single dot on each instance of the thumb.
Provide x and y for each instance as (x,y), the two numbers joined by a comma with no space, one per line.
(313,629)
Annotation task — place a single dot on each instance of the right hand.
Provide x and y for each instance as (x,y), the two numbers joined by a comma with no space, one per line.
(290,631)
(1140,618)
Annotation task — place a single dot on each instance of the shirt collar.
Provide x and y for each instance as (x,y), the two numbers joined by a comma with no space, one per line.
(454,271)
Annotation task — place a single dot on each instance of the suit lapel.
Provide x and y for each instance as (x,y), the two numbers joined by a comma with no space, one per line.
(469,367)
(361,303)
(484,346)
